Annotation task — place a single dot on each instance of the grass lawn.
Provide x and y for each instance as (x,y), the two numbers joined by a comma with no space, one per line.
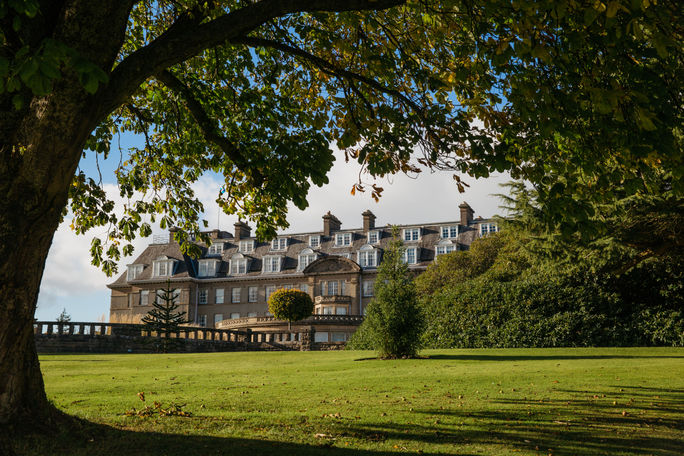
(627,401)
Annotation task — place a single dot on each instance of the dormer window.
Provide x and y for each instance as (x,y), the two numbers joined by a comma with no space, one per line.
(279,244)
(215,249)
(444,246)
(411,255)
(306,257)
(486,228)
(449,232)
(411,234)
(238,264)
(271,263)
(315,241)
(343,239)
(207,268)
(247,246)
(373,237)
(134,271)
(368,256)
(163,266)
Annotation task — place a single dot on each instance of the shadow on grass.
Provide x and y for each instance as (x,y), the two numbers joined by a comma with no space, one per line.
(84,438)
(543,357)
(577,424)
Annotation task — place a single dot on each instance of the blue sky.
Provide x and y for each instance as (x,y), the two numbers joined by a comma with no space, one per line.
(70,282)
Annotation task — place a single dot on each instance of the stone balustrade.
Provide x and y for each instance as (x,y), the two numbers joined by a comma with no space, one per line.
(352,320)
(85,332)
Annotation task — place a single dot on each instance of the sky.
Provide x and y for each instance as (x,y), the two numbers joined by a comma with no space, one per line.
(70,282)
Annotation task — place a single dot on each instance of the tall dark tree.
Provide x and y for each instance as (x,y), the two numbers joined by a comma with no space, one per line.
(63,317)
(577,97)
(394,321)
(164,318)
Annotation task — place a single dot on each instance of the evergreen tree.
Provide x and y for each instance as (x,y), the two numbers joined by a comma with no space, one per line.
(394,322)
(64,317)
(164,319)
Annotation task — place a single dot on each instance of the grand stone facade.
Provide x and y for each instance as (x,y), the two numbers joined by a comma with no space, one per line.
(229,285)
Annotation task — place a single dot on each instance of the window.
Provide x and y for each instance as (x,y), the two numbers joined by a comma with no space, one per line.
(134,271)
(411,234)
(314,241)
(202,320)
(217,318)
(251,314)
(238,264)
(246,246)
(410,255)
(252,294)
(131,299)
(340,310)
(339,337)
(368,288)
(144,297)
(343,239)
(219,296)
(203,296)
(271,263)
(234,315)
(368,257)
(328,310)
(373,237)
(320,336)
(444,246)
(289,286)
(450,232)
(269,291)
(279,244)
(207,268)
(304,287)
(306,257)
(486,228)
(235,295)
(333,288)
(215,249)
(163,266)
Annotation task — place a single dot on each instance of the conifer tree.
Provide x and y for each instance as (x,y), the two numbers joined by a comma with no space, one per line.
(64,317)
(164,319)
(394,322)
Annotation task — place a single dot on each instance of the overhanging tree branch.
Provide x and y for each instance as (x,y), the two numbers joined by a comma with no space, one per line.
(332,70)
(208,126)
(188,37)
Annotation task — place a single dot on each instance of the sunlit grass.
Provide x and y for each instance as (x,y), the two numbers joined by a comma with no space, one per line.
(532,401)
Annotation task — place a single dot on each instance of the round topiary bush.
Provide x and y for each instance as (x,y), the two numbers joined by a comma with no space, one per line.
(290,305)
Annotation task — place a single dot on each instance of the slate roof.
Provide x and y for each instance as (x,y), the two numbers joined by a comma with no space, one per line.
(186,267)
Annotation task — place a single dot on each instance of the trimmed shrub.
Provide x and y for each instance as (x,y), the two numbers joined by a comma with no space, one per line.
(290,305)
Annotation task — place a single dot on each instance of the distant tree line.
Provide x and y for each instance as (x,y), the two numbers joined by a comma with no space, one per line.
(529,287)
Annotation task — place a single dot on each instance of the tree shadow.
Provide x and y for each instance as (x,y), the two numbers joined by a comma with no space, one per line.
(568,426)
(83,438)
(548,357)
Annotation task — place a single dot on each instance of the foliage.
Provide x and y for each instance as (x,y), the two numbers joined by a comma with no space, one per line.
(164,319)
(535,289)
(290,305)
(580,98)
(394,322)
(63,317)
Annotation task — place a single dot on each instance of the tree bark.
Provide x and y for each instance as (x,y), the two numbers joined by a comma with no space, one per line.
(41,144)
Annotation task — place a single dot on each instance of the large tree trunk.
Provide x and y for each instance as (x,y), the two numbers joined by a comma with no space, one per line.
(40,147)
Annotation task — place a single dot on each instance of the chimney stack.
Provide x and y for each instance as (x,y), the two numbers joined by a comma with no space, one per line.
(368,221)
(242,230)
(466,213)
(330,224)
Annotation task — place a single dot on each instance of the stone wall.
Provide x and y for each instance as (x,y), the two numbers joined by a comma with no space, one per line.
(90,337)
